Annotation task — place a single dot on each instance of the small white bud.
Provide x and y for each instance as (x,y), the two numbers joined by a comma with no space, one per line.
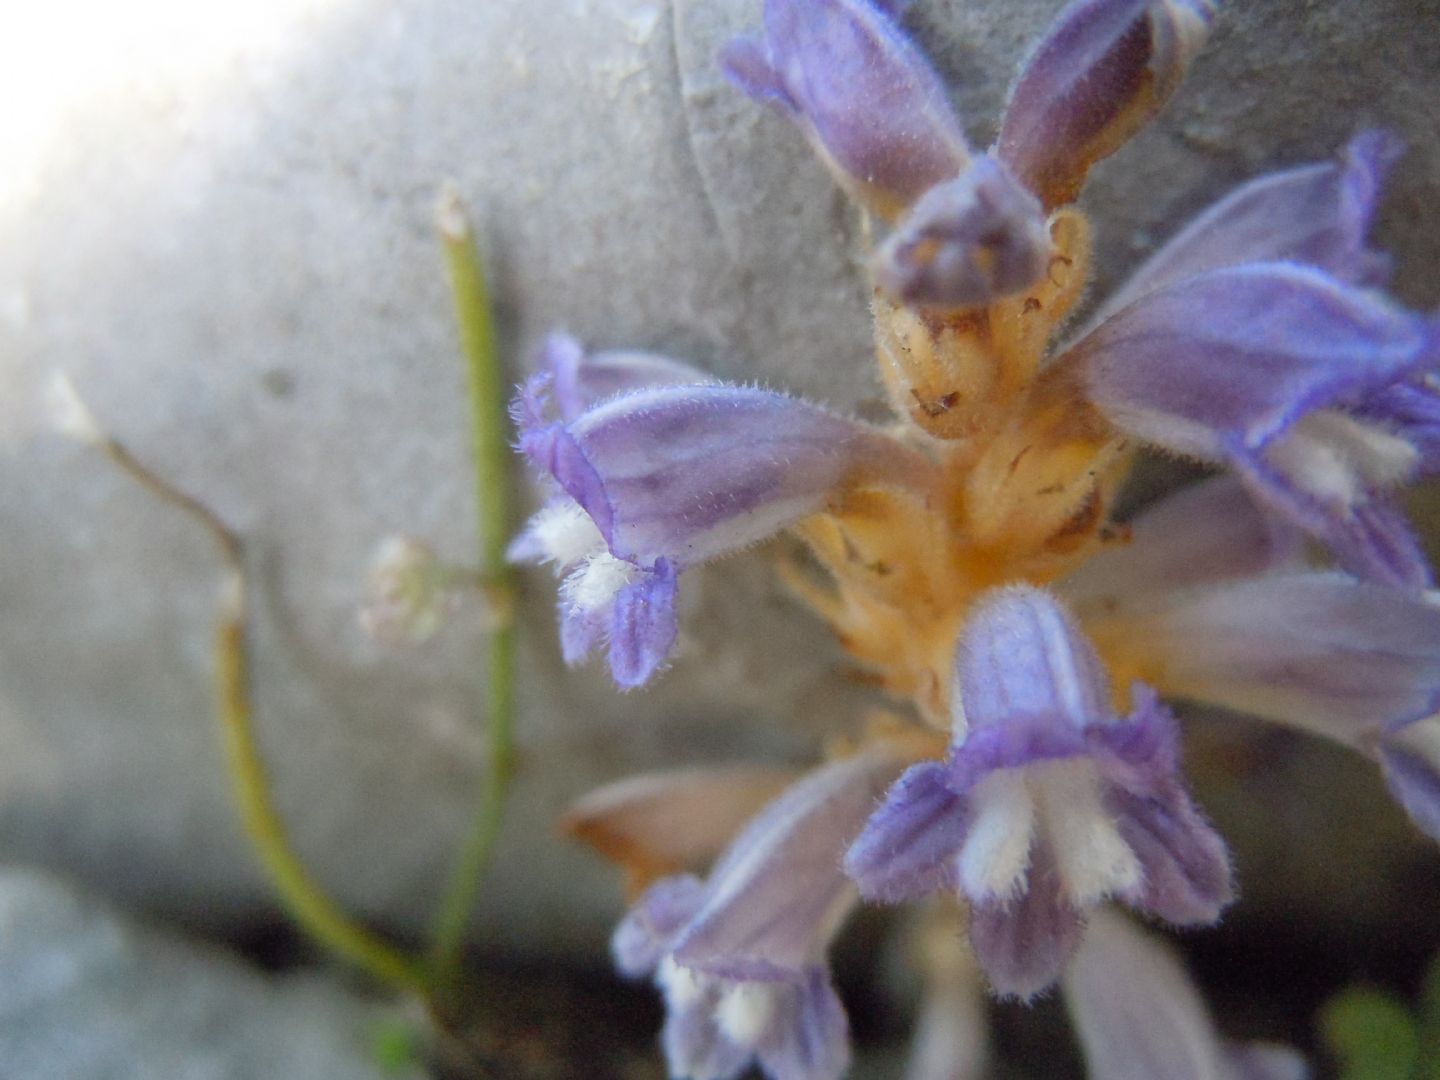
(68,412)
(450,216)
(406,599)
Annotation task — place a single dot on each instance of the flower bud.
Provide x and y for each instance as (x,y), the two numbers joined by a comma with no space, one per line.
(865,97)
(410,595)
(967,243)
(1105,68)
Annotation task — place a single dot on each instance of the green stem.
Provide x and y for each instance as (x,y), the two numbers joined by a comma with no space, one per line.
(491,451)
(309,905)
(486,382)
(303,898)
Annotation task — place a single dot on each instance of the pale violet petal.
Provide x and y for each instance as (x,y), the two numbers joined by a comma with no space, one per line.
(1211,531)
(1318,651)
(582,379)
(864,95)
(1102,70)
(808,1037)
(691,472)
(1023,944)
(643,626)
(1186,877)
(649,928)
(1135,1010)
(1410,762)
(908,846)
(1225,361)
(778,894)
(1318,215)
(1267,1061)
(1021,656)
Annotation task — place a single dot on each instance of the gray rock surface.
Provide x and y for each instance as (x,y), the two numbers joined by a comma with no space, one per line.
(235,261)
(88,994)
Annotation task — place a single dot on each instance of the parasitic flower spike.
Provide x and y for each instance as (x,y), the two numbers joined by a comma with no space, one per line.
(969,558)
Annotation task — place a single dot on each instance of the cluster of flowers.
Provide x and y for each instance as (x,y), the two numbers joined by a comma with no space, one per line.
(966,555)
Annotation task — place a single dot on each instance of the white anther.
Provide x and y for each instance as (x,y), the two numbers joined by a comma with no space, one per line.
(996,854)
(1094,860)
(745,1012)
(683,986)
(565,534)
(593,585)
(1336,457)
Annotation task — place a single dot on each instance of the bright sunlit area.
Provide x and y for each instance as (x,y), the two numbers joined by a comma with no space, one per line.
(70,62)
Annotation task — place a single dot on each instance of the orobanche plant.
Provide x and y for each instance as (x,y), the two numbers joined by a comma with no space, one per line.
(966,555)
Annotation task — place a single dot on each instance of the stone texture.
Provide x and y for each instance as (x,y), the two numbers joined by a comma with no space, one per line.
(237,266)
(88,994)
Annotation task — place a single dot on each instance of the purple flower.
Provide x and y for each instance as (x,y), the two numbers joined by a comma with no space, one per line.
(580,380)
(1315,389)
(1048,803)
(1103,70)
(1139,1017)
(1253,340)
(968,231)
(1210,532)
(866,99)
(655,480)
(1336,656)
(740,958)
(1349,660)
(1215,607)
(1317,215)
(966,242)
